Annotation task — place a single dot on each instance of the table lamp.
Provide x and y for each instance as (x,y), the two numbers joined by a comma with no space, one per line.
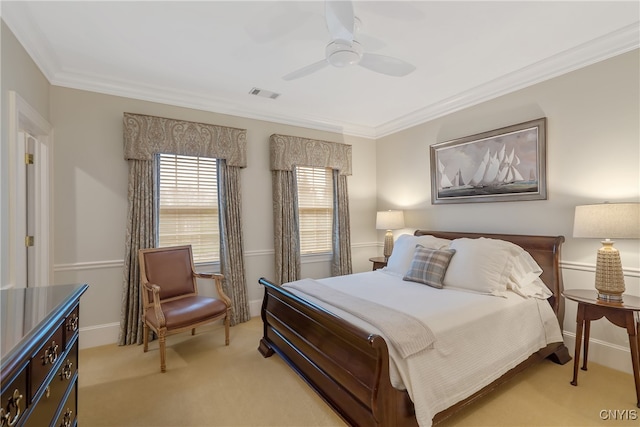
(389,220)
(608,220)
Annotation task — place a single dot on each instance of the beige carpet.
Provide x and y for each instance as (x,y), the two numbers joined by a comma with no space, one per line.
(208,384)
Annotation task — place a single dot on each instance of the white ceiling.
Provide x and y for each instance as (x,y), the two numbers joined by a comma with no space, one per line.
(209,55)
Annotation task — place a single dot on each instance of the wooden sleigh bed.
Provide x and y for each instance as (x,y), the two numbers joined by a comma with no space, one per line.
(349,367)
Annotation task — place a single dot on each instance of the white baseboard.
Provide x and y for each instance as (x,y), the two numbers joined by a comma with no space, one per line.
(255,307)
(95,336)
(603,353)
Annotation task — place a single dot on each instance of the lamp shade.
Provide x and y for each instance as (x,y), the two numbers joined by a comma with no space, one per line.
(607,221)
(390,220)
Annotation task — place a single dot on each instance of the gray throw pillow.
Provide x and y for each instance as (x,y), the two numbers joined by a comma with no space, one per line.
(429,266)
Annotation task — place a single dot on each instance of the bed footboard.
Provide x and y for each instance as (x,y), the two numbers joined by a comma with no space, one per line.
(346,366)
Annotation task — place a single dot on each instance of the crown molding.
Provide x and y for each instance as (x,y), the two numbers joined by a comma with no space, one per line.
(607,46)
(616,43)
(17,17)
(165,95)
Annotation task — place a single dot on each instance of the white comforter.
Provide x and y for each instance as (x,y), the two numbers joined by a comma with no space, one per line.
(478,337)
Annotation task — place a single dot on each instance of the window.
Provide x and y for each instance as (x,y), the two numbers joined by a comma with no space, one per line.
(188,205)
(315,204)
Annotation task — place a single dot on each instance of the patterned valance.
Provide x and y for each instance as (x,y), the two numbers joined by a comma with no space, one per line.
(145,136)
(290,151)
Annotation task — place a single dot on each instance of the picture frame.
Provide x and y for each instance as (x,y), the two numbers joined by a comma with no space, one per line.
(506,164)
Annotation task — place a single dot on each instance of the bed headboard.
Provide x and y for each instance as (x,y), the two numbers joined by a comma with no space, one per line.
(544,249)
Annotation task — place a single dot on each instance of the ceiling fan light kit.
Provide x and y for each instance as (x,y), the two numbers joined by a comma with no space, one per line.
(341,53)
(344,50)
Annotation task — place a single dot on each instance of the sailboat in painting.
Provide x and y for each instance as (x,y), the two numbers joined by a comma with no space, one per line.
(497,169)
(497,173)
(444,180)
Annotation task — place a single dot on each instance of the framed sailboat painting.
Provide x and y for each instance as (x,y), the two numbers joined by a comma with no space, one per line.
(507,164)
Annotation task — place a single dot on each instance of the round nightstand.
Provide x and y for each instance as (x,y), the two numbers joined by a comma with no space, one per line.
(623,314)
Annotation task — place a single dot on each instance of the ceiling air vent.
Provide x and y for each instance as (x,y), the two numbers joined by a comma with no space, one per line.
(264,93)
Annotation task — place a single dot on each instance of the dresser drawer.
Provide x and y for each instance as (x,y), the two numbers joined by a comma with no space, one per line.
(68,410)
(14,399)
(42,363)
(71,325)
(49,402)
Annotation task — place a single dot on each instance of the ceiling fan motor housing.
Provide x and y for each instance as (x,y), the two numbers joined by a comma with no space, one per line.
(341,53)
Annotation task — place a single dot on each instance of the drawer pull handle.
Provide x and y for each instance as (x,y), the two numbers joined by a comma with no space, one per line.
(66,370)
(72,323)
(12,404)
(50,354)
(67,418)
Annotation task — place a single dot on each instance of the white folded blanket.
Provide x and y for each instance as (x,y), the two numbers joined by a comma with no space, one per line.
(407,334)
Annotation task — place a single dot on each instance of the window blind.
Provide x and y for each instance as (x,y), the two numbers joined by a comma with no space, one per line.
(315,205)
(188,205)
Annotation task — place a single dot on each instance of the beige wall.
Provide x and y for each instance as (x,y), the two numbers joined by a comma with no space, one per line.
(90,187)
(593,155)
(21,75)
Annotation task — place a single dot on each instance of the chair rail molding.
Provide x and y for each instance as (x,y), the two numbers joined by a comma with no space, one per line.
(581,266)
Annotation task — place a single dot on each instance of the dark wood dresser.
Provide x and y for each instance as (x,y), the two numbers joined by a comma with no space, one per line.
(39,355)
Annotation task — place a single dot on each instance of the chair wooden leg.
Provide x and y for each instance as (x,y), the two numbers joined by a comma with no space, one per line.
(226,330)
(193,331)
(145,337)
(162,342)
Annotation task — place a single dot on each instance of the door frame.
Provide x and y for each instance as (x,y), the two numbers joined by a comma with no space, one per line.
(24,118)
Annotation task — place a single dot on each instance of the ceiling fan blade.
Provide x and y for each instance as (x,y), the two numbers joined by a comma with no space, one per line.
(305,71)
(340,19)
(386,65)
(273,28)
(370,43)
(404,12)
(275,21)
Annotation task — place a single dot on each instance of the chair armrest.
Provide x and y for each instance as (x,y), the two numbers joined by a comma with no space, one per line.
(157,309)
(205,275)
(218,278)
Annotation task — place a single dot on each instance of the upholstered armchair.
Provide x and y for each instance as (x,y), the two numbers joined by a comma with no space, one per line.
(170,300)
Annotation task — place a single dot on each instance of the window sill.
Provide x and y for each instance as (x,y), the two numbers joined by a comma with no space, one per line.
(314,258)
(208,267)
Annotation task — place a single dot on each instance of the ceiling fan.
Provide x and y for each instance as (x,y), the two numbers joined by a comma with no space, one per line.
(344,50)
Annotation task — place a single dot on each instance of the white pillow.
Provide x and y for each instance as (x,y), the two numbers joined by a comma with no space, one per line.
(525,276)
(525,268)
(534,289)
(481,265)
(404,248)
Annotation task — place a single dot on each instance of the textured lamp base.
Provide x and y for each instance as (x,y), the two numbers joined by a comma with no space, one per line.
(609,277)
(388,245)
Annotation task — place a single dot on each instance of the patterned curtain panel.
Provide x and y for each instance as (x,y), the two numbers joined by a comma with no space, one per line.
(287,152)
(140,235)
(341,238)
(231,249)
(285,227)
(144,137)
